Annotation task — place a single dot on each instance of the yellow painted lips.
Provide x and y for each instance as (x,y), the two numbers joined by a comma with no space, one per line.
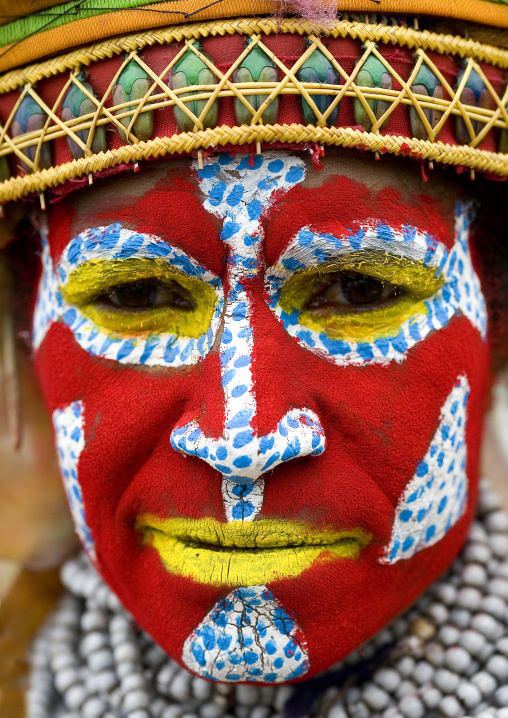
(245,553)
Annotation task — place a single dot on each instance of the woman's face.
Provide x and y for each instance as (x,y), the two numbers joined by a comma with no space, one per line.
(267,386)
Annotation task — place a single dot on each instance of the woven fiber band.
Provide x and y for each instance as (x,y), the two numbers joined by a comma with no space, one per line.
(251,82)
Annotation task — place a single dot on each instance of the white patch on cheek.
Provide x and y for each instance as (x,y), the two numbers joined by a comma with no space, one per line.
(70,442)
(435,498)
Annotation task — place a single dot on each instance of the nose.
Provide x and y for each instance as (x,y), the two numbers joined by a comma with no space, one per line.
(241,455)
(237,192)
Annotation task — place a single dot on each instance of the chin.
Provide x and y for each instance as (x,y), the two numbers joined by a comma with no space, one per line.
(277,629)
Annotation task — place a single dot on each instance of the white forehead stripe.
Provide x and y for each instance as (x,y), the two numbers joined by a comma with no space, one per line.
(116,242)
(435,498)
(247,636)
(70,442)
(460,295)
(238,190)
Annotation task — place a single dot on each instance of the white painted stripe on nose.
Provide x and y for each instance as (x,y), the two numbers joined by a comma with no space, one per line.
(238,190)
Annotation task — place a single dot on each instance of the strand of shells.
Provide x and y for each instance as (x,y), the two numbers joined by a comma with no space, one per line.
(449,654)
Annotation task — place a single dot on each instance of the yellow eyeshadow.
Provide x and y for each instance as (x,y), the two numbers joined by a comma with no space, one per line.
(417,282)
(365,326)
(412,276)
(98,277)
(240,554)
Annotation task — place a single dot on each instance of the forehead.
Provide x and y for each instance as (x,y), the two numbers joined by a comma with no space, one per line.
(165,199)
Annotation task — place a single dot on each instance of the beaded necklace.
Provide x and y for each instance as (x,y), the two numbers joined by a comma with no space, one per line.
(446,657)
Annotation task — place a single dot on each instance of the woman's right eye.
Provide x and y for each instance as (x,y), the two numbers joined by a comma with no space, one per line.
(144,296)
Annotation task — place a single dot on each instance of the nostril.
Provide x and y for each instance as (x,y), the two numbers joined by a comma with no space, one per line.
(243,457)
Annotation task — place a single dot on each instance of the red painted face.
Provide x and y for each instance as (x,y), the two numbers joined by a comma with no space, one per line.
(275,393)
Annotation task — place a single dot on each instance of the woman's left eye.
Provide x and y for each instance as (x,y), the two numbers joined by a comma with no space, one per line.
(346,290)
(143,296)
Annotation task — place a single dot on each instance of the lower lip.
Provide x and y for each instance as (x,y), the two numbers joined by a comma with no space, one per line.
(247,566)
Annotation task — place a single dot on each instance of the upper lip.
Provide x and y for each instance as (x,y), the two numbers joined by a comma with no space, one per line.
(260,534)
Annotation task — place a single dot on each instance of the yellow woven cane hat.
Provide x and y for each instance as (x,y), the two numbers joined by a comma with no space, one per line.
(89,86)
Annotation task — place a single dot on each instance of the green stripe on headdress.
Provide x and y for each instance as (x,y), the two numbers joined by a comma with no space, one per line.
(62,15)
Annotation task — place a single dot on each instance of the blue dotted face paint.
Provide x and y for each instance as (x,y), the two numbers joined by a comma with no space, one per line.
(460,294)
(114,243)
(48,307)
(247,636)
(237,191)
(70,442)
(435,499)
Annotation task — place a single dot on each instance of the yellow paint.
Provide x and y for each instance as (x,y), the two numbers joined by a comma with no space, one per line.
(87,284)
(364,326)
(245,553)
(416,281)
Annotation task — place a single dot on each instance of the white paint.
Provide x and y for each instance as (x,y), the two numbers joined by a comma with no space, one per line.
(247,636)
(49,301)
(237,191)
(69,428)
(435,499)
(310,248)
(115,242)
(460,295)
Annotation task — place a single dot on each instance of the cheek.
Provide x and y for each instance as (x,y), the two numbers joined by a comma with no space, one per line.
(379,421)
(129,414)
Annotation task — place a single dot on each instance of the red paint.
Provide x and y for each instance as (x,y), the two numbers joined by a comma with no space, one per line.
(170,210)
(341,206)
(378,421)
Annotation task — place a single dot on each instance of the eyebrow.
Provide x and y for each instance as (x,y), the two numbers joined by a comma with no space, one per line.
(309,247)
(117,243)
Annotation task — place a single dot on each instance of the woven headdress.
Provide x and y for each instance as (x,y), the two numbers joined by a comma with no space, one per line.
(91,85)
